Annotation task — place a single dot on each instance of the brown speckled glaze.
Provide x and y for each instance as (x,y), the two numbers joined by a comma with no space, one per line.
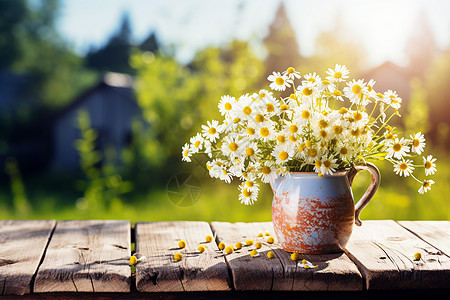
(315,215)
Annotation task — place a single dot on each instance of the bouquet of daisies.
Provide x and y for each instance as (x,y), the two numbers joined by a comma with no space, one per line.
(323,126)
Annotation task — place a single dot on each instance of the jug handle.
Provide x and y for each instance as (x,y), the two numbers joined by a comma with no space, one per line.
(371,190)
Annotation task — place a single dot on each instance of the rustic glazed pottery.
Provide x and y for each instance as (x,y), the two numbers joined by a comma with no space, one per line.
(315,215)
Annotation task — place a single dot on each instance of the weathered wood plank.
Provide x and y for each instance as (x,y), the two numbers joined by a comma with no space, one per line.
(384,251)
(437,233)
(334,271)
(158,241)
(22,244)
(87,256)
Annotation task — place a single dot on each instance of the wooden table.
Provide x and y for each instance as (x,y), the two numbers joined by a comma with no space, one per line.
(44,257)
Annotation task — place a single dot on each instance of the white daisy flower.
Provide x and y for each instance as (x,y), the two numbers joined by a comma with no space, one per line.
(212,130)
(226,105)
(266,132)
(291,73)
(252,150)
(186,152)
(355,91)
(307,89)
(430,166)
(338,95)
(426,186)
(248,192)
(398,149)
(197,143)
(267,172)
(418,143)
(232,146)
(404,168)
(283,153)
(338,74)
(326,85)
(391,98)
(313,78)
(279,82)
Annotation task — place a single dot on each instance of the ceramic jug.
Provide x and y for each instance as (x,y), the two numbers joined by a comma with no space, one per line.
(315,215)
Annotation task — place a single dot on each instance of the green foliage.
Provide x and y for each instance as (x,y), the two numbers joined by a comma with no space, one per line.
(438,91)
(103,185)
(20,201)
(176,99)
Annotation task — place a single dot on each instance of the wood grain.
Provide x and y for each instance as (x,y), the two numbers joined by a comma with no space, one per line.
(87,256)
(158,241)
(384,251)
(334,272)
(22,244)
(436,233)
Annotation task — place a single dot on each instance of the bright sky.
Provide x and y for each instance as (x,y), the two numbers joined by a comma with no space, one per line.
(383,26)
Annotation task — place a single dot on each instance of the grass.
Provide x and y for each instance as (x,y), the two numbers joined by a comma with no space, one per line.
(54,197)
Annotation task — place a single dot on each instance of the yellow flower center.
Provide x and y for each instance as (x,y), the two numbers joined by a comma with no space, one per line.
(356,89)
(397,147)
(266,170)
(416,143)
(311,79)
(403,166)
(292,138)
(233,147)
(236,120)
(247,110)
(293,128)
(301,148)
(250,131)
(209,167)
(323,133)
(284,107)
(308,144)
(343,151)
(343,111)
(281,139)
(306,114)
(358,116)
(318,163)
(337,93)
(228,106)
(307,91)
(212,131)
(369,88)
(283,155)
(264,131)
(259,118)
(249,183)
(249,151)
(279,81)
(338,75)
(197,144)
(380,95)
(312,152)
(325,82)
(290,70)
(323,123)
(224,172)
(355,132)
(270,107)
(428,165)
(246,193)
(186,153)
(262,95)
(338,129)
(426,184)
(327,164)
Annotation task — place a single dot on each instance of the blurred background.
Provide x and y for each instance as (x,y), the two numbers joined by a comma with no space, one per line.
(97,98)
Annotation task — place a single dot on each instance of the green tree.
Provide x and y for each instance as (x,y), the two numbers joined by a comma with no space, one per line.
(176,99)
(115,54)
